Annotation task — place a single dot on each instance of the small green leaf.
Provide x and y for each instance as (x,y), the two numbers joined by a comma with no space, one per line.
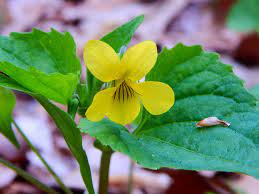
(203,87)
(122,35)
(244,16)
(7,104)
(43,63)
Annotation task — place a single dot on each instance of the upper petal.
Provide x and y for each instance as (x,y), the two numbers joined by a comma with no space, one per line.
(100,105)
(139,59)
(102,60)
(157,97)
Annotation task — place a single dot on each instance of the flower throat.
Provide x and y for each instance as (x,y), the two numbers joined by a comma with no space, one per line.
(123,92)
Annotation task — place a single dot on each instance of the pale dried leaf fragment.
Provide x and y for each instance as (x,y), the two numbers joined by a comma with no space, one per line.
(6,176)
(212,121)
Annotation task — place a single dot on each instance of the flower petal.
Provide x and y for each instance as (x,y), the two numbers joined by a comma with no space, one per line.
(124,112)
(102,61)
(156,97)
(100,105)
(140,59)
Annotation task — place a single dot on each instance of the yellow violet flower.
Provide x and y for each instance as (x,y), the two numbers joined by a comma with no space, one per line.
(121,102)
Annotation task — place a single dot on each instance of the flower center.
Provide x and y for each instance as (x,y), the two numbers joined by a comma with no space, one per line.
(123,92)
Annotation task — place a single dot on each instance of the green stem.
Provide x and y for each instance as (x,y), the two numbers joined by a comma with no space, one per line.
(27,177)
(72,137)
(72,106)
(104,171)
(130,177)
(51,171)
(145,116)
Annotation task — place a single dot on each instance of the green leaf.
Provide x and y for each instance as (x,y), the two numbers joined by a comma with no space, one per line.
(7,104)
(255,91)
(244,16)
(43,63)
(203,87)
(122,35)
(72,137)
(9,83)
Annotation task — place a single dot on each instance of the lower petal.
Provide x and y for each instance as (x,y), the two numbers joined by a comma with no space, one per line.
(156,97)
(100,105)
(124,112)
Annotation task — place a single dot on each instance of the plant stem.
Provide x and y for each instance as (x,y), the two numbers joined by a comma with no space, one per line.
(145,116)
(72,106)
(27,177)
(51,171)
(104,171)
(130,177)
(72,137)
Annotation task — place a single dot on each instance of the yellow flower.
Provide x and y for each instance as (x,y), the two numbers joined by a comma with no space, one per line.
(121,102)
